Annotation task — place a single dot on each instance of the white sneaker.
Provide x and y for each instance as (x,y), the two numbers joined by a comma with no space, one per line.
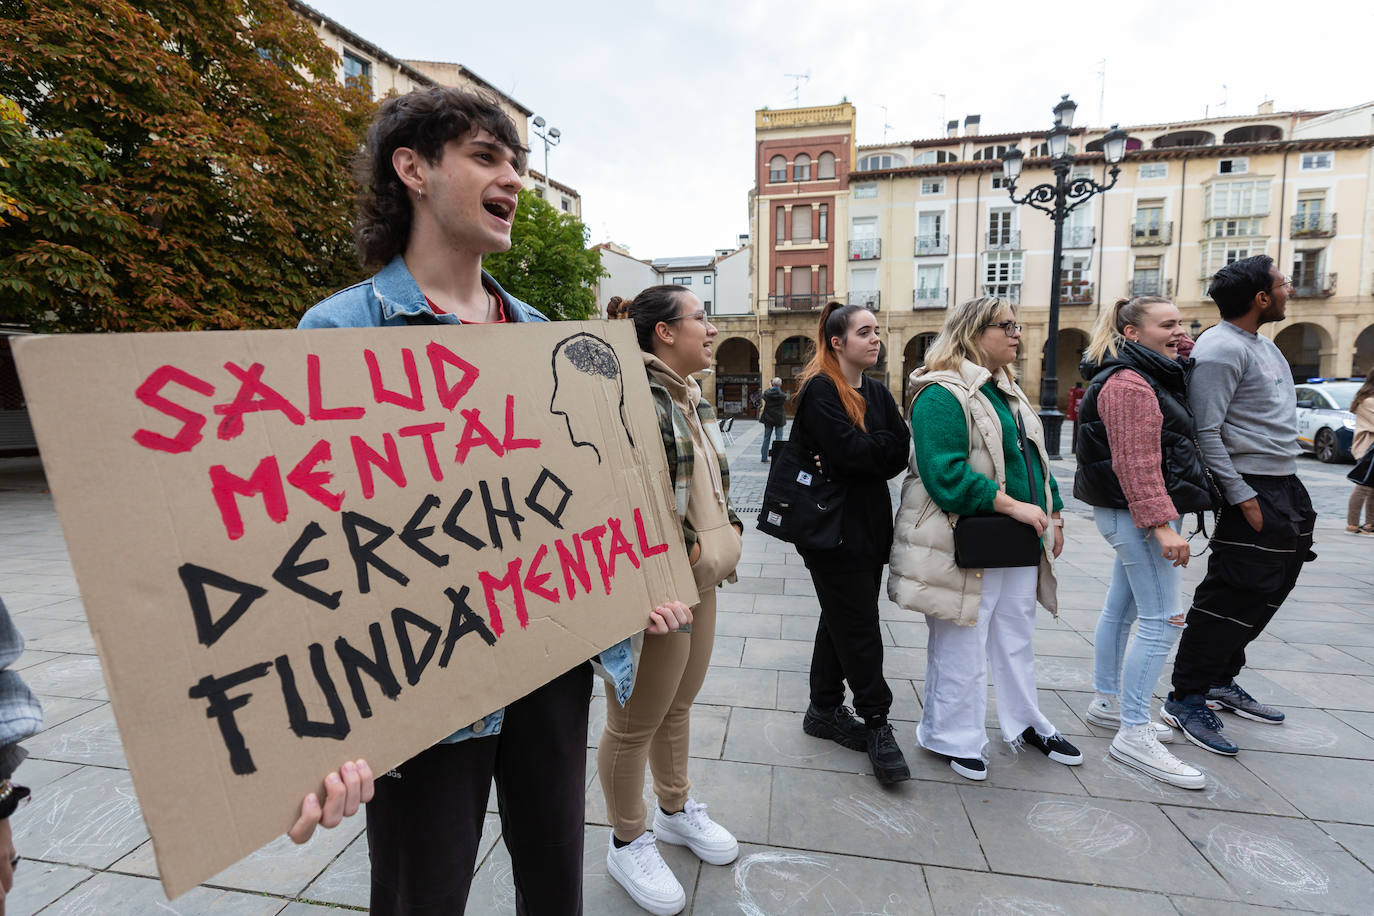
(1105,711)
(1136,746)
(640,869)
(690,827)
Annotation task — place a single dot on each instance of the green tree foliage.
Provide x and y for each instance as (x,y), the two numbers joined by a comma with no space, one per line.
(171,164)
(549,264)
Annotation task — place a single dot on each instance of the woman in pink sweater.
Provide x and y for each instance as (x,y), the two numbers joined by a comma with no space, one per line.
(1140,469)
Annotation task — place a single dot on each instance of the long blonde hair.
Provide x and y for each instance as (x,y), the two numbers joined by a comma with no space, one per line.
(1109,332)
(958,338)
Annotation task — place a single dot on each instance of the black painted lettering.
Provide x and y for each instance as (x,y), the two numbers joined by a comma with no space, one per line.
(413,536)
(194,579)
(301,723)
(291,572)
(509,513)
(220,706)
(463,621)
(552,516)
(401,621)
(456,531)
(377,666)
(365,554)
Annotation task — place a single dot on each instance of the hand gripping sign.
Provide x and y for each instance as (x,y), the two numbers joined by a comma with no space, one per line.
(296,548)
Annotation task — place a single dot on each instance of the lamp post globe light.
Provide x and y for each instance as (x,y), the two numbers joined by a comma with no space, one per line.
(1058,200)
(550,138)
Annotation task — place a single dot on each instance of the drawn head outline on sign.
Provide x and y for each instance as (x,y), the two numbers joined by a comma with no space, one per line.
(583,365)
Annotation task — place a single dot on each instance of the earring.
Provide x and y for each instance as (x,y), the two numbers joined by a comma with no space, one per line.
(420,194)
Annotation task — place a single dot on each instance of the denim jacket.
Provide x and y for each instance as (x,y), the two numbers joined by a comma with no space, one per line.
(20,715)
(388,299)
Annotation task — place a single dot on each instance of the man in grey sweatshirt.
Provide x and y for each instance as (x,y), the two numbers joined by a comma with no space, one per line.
(1242,397)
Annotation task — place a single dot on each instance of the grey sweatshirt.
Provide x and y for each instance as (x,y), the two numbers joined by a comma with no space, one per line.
(1246,408)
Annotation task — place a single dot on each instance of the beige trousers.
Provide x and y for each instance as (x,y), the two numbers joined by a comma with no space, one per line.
(655,723)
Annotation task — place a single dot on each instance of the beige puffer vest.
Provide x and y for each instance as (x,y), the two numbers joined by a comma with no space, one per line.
(922,575)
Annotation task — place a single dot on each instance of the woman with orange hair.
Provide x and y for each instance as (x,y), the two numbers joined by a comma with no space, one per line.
(853,427)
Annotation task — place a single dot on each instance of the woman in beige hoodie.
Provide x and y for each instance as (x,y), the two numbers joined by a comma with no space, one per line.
(1363,497)
(675,335)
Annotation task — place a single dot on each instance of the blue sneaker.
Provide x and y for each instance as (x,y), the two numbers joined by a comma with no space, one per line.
(1234,698)
(1198,723)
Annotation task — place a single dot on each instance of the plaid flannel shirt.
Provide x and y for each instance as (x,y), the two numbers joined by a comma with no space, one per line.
(677,445)
(20,715)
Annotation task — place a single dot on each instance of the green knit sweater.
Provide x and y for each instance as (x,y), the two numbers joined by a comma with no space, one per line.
(940,435)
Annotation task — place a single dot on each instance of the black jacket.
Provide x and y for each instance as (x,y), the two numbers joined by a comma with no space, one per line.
(865,459)
(1185,475)
(772,413)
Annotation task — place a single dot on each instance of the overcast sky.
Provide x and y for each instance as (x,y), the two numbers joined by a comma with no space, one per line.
(655,99)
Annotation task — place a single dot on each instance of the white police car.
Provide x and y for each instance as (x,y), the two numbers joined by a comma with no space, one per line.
(1326,427)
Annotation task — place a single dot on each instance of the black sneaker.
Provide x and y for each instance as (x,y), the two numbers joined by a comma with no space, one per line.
(969,768)
(1053,747)
(1198,723)
(839,725)
(1234,698)
(889,765)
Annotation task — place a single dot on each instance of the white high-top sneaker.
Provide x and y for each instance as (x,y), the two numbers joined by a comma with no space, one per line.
(1136,746)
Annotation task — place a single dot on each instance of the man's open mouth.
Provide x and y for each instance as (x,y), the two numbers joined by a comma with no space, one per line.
(498,208)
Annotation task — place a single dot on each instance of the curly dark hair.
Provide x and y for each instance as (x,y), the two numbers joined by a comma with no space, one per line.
(1237,284)
(423,120)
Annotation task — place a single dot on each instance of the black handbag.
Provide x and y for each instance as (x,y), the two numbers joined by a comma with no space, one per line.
(994,540)
(800,504)
(1362,473)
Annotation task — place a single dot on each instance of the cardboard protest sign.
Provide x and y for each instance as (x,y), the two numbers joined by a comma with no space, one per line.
(301,547)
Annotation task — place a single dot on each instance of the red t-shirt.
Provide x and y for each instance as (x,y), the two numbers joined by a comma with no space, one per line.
(501,316)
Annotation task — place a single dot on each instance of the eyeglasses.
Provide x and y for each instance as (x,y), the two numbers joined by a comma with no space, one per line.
(1286,281)
(695,316)
(1010,328)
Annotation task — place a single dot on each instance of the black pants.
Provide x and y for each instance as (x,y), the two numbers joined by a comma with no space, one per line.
(423,828)
(849,643)
(1249,574)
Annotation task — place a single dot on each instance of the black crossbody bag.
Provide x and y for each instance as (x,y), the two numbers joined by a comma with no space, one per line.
(800,504)
(994,540)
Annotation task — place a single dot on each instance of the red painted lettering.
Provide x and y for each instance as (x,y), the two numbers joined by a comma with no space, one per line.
(365,457)
(383,395)
(644,547)
(254,395)
(441,356)
(534,580)
(508,441)
(310,481)
(491,585)
(317,409)
(426,433)
(573,566)
(475,433)
(265,480)
(150,393)
(620,544)
(593,536)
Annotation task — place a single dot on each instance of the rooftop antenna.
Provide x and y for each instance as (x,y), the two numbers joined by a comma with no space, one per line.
(886,126)
(796,84)
(1101,89)
(941,131)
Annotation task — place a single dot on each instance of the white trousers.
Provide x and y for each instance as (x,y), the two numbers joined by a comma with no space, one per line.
(957,659)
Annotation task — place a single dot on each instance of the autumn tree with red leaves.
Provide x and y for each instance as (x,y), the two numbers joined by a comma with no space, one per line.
(171,164)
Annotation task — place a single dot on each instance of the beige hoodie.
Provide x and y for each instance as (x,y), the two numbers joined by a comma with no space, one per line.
(707,512)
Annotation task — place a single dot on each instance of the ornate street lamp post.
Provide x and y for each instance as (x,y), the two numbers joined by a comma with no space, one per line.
(1058,200)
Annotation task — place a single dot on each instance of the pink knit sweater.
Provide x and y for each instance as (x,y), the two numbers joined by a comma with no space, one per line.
(1130,412)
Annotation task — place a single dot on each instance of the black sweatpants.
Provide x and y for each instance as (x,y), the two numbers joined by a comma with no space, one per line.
(1249,574)
(849,643)
(424,824)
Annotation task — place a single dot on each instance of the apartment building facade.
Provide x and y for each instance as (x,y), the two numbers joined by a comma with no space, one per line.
(907,229)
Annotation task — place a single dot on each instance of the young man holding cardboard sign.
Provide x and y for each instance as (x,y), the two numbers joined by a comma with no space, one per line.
(440,178)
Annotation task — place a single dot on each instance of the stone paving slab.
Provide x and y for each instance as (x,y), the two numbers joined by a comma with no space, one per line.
(956,891)
(771,880)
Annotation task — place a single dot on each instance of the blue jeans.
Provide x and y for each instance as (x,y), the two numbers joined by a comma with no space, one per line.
(1145,588)
(768,433)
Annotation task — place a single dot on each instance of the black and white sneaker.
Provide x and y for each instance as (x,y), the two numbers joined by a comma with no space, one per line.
(1053,747)
(1233,697)
(969,768)
(839,725)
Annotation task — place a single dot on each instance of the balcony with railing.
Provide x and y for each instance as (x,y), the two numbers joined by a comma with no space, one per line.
(1313,225)
(1314,286)
(799,302)
(1011,292)
(1080,236)
(1151,233)
(1151,286)
(1076,293)
(868,298)
(929,297)
(931,244)
(865,249)
(1004,239)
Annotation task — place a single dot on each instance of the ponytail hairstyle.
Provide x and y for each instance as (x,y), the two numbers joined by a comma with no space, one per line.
(1109,332)
(835,321)
(1366,391)
(648,308)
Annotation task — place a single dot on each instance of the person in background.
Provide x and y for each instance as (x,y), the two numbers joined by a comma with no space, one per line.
(654,723)
(968,461)
(852,425)
(20,718)
(1140,469)
(1362,498)
(1243,400)
(1075,398)
(772,416)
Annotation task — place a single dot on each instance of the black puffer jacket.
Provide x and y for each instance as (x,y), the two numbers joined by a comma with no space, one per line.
(1185,475)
